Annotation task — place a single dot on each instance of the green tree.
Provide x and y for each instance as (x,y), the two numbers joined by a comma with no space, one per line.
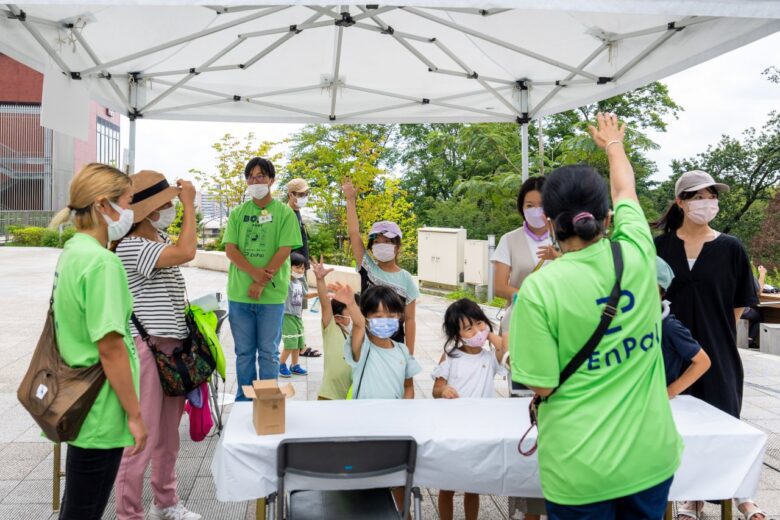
(750,165)
(226,181)
(175,228)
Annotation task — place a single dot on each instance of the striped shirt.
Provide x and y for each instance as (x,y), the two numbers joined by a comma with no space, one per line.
(158,294)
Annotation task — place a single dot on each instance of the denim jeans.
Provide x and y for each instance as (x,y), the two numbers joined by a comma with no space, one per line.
(257,332)
(649,504)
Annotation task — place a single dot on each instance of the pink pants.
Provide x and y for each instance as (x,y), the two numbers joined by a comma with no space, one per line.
(161,414)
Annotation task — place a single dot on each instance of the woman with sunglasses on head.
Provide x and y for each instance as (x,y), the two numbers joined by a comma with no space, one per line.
(712,285)
(381,266)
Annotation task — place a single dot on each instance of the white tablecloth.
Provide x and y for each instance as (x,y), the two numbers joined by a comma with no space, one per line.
(471,445)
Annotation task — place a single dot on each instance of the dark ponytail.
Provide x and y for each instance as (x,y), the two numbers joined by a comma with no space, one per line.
(575,198)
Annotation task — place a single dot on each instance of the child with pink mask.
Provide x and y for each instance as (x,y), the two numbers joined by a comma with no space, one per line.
(473,356)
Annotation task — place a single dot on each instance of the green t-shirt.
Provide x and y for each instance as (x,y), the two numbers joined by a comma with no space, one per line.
(337,374)
(91,300)
(259,233)
(608,431)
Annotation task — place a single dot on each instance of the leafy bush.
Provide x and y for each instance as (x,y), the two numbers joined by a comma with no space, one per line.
(457,295)
(39,237)
(216,244)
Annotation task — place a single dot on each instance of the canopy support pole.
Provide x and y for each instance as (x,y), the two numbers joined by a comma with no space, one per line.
(131,150)
(524,145)
(524,119)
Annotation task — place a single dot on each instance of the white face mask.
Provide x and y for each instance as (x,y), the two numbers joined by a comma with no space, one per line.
(383,252)
(297,276)
(702,211)
(119,228)
(166,218)
(301,202)
(535,217)
(257,191)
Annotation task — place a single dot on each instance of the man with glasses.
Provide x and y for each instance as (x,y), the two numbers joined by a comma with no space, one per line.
(259,237)
(297,198)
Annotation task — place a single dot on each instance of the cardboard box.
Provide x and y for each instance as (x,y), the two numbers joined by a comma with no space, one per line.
(268,405)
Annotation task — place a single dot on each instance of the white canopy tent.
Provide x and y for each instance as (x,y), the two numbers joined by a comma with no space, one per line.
(428,61)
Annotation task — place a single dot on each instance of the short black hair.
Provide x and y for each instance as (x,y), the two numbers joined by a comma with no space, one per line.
(338,308)
(266,166)
(297,259)
(373,297)
(461,310)
(530,184)
(571,190)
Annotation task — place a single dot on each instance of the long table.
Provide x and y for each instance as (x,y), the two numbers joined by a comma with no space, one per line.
(471,445)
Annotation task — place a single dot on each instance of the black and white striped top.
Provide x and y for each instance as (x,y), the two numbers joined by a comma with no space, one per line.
(158,294)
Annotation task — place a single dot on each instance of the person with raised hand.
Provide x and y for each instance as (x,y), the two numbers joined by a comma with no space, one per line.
(608,447)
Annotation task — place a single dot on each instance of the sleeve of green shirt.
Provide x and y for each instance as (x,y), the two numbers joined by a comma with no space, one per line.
(231,232)
(106,300)
(290,231)
(533,351)
(631,226)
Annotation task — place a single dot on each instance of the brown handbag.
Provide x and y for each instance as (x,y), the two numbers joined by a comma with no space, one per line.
(57,396)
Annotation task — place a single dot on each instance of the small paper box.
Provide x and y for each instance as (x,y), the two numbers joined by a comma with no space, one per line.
(268,405)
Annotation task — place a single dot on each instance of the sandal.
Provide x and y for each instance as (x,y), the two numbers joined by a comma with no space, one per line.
(311,353)
(750,510)
(689,509)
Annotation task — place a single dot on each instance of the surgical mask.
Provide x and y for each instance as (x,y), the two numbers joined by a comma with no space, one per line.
(301,202)
(478,339)
(383,327)
(702,211)
(257,191)
(535,217)
(119,228)
(166,218)
(297,276)
(384,252)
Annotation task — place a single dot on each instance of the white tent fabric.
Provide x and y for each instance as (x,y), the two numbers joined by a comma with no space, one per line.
(429,61)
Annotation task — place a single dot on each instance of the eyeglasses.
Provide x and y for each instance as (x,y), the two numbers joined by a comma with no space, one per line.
(258,179)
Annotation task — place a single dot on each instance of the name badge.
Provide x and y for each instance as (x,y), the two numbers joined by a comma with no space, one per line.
(264,218)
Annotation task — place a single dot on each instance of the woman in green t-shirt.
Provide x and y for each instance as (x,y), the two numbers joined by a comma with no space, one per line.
(92,306)
(608,446)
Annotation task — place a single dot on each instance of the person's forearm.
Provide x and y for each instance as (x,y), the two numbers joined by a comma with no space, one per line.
(188,238)
(438,387)
(410,332)
(621,174)
(408,389)
(738,314)
(358,329)
(353,225)
(116,365)
(690,376)
(506,292)
(239,260)
(281,255)
(322,294)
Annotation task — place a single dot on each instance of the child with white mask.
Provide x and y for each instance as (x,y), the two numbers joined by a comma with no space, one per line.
(381,266)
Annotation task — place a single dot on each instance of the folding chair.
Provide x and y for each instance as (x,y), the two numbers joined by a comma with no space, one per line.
(356,472)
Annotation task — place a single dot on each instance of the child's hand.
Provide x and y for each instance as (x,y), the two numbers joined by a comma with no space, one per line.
(319,269)
(449,393)
(255,290)
(349,190)
(342,293)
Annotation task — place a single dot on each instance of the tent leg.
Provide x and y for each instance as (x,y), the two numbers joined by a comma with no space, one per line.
(524,144)
(131,151)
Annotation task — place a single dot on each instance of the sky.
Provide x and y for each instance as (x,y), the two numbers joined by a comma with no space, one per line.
(725,95)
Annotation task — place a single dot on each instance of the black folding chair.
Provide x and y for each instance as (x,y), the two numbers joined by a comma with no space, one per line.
(345,467)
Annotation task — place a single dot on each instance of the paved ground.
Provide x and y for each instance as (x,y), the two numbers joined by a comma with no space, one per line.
(26,458)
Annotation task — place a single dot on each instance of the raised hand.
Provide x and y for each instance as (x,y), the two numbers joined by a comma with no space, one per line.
(187,193)
(342,293)
(319,269)
(609,130)
(349,190)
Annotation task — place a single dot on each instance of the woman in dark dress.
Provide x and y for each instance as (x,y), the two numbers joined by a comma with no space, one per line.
(712,285)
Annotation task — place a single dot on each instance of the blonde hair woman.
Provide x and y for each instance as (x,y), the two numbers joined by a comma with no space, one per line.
(92,306)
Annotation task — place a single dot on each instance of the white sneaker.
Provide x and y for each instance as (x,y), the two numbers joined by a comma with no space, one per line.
(177,512)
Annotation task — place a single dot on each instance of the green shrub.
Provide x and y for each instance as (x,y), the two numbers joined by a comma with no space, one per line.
(50,238)
(67,234)
(27,236)
(457,295)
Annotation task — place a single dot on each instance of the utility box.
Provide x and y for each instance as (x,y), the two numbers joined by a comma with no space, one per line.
(770,338)
(440,256)
(475,259)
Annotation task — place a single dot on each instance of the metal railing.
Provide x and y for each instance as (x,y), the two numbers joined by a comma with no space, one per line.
(22,218)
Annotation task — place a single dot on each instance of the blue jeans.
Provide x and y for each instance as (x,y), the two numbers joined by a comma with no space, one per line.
(257,332)
(649,504)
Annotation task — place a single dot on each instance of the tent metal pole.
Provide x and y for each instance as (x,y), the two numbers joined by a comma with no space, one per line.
(324,117)
(22,17)
(131,149)
(122,98)
(188,38)
(334,81)
(187,107)
(650,49)
(524,146)
(499,42)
